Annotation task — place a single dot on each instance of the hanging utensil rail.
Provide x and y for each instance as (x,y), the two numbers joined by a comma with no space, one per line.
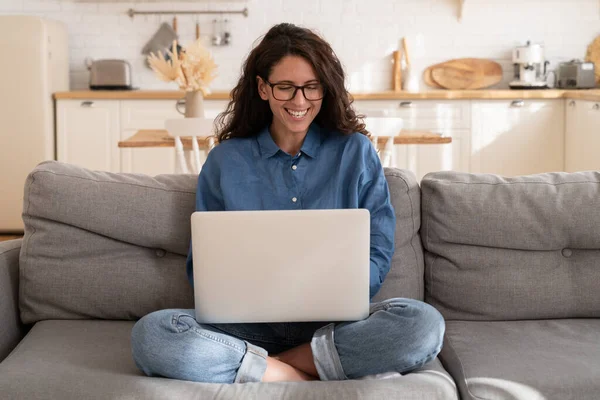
(131,12)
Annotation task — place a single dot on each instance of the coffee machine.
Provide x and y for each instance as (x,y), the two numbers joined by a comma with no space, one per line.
(530,67)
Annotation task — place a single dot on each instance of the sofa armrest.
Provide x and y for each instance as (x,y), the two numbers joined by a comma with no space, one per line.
(11,328)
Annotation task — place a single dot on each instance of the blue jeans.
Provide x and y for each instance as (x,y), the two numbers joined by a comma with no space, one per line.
(399,335)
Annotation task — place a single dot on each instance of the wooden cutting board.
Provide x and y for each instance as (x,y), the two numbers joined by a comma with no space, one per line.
(428,79)
(467,73)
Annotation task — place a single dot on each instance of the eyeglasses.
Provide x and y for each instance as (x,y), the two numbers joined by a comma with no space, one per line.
(287,91)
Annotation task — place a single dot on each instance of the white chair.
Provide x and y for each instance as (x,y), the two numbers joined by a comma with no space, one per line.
(186,162)
(389,127)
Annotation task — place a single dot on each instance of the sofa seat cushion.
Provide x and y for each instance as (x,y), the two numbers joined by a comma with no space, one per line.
(91,359)
(528,360)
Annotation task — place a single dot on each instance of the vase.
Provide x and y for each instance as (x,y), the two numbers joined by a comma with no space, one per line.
(194,104)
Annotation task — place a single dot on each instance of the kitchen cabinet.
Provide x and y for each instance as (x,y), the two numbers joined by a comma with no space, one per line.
(146,114)
(425,158)
(151,114)
(517,137)
(446,117)
(87,133)
(582,140)
(506,137)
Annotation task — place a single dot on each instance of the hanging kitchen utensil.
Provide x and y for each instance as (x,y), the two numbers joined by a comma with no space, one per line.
(162,40)
(226,33)
(216,36)
(167,54)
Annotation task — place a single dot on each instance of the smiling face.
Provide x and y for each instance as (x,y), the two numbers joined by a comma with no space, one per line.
(294,116)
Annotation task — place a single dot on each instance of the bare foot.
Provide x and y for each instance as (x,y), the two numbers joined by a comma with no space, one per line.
(278,371)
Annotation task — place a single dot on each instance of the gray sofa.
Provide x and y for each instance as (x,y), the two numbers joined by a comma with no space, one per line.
(512,264)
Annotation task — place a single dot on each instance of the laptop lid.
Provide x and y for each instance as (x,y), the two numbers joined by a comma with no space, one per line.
(281,266)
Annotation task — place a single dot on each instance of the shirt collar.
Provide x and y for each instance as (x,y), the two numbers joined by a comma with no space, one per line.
(312,141)
(310,146)
(268,148)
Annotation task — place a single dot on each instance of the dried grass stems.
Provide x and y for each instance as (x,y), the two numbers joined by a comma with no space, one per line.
(192,69)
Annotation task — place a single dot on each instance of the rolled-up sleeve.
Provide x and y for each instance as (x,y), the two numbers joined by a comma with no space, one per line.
(375,196)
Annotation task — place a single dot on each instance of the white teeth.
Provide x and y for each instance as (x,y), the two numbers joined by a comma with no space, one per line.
(298,114)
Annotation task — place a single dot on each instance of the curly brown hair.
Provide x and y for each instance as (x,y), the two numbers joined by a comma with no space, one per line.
(247,113)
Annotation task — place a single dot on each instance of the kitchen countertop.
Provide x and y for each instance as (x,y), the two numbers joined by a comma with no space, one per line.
(589,94)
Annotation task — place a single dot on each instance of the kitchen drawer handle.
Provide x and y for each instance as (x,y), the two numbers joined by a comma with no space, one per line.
(87,104)
(596,106)
(517,103)
(572,103)
(406,104)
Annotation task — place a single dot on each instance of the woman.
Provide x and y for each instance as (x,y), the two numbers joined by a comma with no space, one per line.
(290,139)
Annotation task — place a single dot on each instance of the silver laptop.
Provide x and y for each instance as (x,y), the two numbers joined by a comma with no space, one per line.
(281,266)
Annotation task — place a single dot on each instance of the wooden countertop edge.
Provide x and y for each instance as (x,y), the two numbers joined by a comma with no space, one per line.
(161,138)
(588,94)
(132,95)
(582,95)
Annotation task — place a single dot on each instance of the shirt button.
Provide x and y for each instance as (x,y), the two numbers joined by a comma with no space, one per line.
(294,199)
(298,155)
(294,167)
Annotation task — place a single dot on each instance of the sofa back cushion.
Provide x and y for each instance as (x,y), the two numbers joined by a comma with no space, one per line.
(512,248)
(405,278)
(103,245)
(113,246)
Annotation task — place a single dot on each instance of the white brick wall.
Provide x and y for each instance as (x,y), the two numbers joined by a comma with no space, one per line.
(362,32)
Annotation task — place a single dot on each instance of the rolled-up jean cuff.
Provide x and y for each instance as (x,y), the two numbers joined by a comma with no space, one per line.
(325,355)
(254,365)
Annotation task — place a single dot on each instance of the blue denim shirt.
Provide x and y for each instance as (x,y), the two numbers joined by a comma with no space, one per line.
(331,171)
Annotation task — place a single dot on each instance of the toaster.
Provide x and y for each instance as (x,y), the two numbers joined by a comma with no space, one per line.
(576,74)
(110,75)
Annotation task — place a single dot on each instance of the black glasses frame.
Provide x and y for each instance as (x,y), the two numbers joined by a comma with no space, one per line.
(296,88)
